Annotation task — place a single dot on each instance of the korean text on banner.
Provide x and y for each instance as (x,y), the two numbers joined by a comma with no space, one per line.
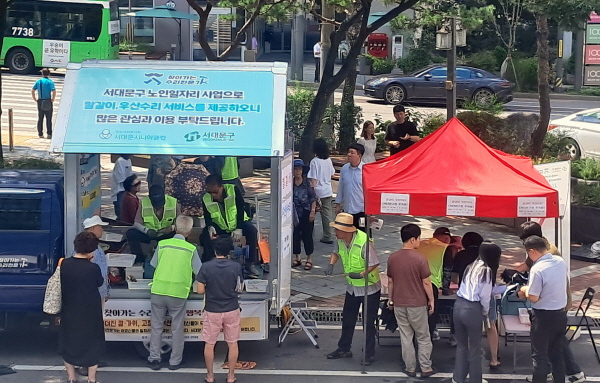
(392,203)
(461,206)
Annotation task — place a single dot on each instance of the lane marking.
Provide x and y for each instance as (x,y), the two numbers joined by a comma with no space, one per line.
(374,374)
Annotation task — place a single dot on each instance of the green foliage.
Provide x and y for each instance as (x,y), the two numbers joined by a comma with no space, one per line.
(417,58)
(485,60)
(382,66)
(380,130)
(126,46)
(589,91)
(495,107)
(299,103)
(569,66)
(500,55)
(586,195)
(524,74)
(587,169)
(30,163)
(492,130)
(350,116)
(431,123)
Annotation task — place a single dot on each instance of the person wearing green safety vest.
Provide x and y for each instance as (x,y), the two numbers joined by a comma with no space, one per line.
(351,248)
(224,215)
(154,220)
(175,260)
(438,254)
(230,172)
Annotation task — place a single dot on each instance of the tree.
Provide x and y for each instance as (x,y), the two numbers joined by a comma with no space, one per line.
(571,15)
(510,11)
(356,15)
(269,9)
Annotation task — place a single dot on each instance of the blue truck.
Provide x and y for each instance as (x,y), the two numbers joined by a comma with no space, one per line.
(31,237)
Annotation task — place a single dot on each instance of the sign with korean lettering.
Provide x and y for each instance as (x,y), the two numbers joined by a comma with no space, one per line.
(592,34)
(531,207)
(460,205)
(90,195)
(392,203)
(215,109)
(129,320)
(56,54)
(592,54)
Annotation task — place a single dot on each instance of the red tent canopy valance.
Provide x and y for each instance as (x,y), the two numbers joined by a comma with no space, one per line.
(453,172)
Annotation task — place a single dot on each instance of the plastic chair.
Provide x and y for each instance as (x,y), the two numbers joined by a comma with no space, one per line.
(582,320)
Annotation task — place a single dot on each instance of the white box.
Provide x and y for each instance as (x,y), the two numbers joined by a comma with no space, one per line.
(256,285)
(524,316)
(141,284)
(135,271)
(120,259)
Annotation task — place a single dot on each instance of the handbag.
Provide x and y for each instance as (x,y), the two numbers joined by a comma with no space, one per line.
(45,104)
(53,295)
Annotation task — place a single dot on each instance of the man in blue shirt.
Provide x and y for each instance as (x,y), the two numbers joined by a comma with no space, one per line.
(350,198)
(45,100)
(547,291)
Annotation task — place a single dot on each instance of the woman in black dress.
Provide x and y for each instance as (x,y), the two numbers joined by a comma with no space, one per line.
(81,340)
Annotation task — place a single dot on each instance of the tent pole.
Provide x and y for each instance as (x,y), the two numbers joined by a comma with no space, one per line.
(180,47)
(366,297)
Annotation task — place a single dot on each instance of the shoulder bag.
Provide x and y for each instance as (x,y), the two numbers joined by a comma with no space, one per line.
(46,104)
(53,295)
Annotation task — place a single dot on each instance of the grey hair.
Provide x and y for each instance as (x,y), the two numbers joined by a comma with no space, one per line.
(184,224)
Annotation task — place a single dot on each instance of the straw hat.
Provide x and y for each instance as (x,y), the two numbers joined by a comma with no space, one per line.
(344,222)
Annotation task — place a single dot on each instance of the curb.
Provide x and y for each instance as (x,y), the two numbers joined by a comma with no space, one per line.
(558,96)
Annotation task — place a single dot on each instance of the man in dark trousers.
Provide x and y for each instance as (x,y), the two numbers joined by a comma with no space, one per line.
(547,291)
(45,100)
(401,134)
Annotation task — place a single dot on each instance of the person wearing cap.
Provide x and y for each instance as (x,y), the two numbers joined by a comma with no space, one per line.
(225,214)
(351,248)
(305,205)
(438,254)
(350,197)
(175,260)
(154,220)
(95,225)
(120,172)
(401,134)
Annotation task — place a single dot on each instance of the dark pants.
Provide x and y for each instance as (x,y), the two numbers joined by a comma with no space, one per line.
(433,318)
(135,238)
(357,224)
(547,344)
(571,366)
(41,115)
(352,304)
(248,231)
(117,204)
(468,320)
(303,232)
(317,68)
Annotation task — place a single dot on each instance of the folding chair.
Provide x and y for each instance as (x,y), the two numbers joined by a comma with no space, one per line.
(299,321)
(510,324)
(582,320)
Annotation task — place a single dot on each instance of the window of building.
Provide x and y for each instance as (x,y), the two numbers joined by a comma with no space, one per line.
(143,27)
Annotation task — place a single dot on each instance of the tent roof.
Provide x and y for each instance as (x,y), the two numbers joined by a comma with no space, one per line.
(453,172)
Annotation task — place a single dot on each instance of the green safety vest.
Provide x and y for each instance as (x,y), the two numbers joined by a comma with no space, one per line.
(229,222)
(434,250)
(173,275)
(230,169)
(169,213)
(353,260)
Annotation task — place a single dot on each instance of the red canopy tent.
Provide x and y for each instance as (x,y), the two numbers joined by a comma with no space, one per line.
(453,172)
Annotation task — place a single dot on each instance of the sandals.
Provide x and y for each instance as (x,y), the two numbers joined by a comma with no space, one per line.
(494,366)
(308,265)
(296,263)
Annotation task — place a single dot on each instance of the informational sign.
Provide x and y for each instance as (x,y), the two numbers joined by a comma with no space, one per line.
(592,34)
(90,195)
(114,27)
(173,108)
(392,203)
(592,54)
(56,53)
(591,75)
(287,225)
(460,206)
(531,207)
(129,320)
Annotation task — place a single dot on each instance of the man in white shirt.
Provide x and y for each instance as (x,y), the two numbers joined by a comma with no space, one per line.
(350,197)
(120,172)
(317,55)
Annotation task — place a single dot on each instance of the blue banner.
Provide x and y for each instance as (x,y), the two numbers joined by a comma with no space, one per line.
(172,111)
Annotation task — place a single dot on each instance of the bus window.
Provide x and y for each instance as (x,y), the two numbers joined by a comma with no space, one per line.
(21,23)
(73,22)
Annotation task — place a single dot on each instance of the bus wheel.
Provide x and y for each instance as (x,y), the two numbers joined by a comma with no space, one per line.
(20,61)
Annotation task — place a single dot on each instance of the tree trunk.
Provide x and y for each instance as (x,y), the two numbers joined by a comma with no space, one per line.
(347,133)
(537,137)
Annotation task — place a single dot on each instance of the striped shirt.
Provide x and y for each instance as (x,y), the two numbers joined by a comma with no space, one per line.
(476,285)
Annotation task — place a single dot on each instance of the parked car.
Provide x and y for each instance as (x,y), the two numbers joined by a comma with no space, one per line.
(429,85)
(580,132)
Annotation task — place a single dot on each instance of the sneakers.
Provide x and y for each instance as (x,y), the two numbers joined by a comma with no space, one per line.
(174,367)
(428,373)
(577,378)
(337,354)
(154,365)
(49,136)
(549,378)
(368,361)
(40,136)
(452,341)
(435,336)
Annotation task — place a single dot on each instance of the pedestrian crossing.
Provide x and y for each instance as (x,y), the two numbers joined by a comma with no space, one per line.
(16,94)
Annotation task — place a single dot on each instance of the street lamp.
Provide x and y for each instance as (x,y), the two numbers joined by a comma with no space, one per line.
(451,35)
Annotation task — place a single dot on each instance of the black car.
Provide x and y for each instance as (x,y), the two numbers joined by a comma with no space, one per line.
(429,85)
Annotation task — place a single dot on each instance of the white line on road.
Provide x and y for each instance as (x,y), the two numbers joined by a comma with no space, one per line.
(376,374)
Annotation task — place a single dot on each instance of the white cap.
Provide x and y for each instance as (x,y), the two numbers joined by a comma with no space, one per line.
(93,221)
